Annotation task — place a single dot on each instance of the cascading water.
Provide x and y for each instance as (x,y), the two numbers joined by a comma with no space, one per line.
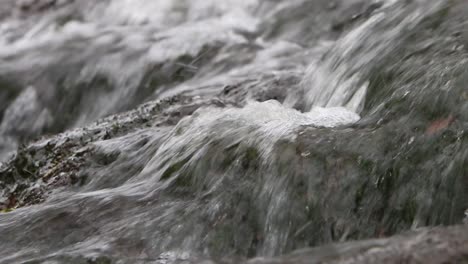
(258,127)
(339,77)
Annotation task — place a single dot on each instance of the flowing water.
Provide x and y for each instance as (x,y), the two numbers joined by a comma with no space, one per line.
(226,130)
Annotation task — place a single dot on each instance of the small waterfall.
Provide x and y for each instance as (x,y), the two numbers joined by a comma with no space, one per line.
(340,76)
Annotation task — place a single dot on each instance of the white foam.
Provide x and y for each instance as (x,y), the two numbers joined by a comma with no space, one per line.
(257,124)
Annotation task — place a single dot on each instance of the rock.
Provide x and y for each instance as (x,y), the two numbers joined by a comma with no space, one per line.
(431,246)
(193,142)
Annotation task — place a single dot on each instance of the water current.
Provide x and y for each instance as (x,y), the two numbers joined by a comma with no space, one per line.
(164,131)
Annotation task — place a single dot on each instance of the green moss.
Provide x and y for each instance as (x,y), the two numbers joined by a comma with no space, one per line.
(100,260)
(250,158)
(359,196)
(173,169)
(7,210)
(115,128)
(408,213)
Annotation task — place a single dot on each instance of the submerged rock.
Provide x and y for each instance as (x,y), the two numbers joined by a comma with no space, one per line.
(246,142)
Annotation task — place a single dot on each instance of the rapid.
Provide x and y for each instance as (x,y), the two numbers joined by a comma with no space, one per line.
(182,131)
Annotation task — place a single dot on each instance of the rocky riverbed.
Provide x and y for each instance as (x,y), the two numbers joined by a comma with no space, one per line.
(256,131)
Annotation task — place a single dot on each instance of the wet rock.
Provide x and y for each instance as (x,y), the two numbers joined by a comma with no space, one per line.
(434,246)
(228,163)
